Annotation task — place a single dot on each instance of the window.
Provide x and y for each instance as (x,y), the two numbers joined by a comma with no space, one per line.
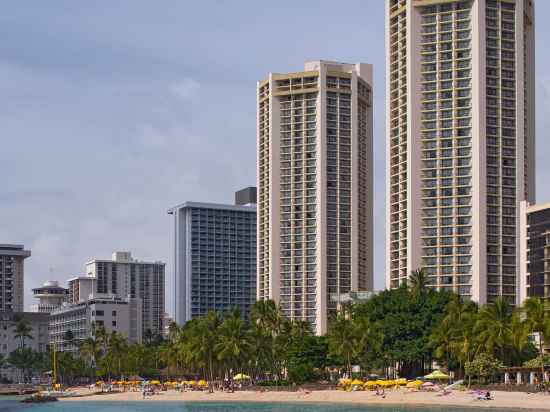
(99,313)
(114,323)
(114,313)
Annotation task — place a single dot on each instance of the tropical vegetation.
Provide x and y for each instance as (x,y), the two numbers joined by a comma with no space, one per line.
(402,332)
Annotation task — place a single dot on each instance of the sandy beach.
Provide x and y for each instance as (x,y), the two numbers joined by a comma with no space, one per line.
(502,400)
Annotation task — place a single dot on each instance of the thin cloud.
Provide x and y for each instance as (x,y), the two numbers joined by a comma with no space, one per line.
(185,89)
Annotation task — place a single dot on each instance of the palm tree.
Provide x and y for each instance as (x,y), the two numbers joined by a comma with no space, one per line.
(519,337)
(494,327)
(22,359)
(300,329)
(148,336)
(103,340)
(418,281)
(117,349)
(537,321)
(369,338)
(173,331)
(233,343)
(91,351)
(262,350)
(442,340)
(202,340)
(460,321)
(266,314)
(23,331)
(343,339)
(169,354)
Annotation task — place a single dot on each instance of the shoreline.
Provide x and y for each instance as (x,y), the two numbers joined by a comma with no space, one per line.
(505,401)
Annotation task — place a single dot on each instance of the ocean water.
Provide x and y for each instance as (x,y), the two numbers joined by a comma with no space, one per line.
(13,405)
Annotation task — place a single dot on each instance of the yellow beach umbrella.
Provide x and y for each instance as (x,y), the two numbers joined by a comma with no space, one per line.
(414,384)
(202,382)
(356,382)
(99,383)
(240,377)
(155,382)
(371,384)
(344,381)
(437,375)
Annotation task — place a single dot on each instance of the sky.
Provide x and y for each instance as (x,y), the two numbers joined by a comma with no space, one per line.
(112,112)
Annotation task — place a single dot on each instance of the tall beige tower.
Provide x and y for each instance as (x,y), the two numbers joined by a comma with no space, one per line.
(460,141)
(315,188)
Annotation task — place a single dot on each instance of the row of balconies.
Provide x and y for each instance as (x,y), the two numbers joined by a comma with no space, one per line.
(458,28)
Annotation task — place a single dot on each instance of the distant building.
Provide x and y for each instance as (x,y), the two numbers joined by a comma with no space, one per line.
(38,323)
(12,274)
(115,314)
(80,288)
(50,295)
(214,257)
(534,280)
(124,276)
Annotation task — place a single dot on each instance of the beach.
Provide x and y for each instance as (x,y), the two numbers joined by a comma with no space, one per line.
(501,400)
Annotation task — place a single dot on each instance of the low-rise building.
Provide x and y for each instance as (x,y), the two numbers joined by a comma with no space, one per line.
(115,314)
(9,341)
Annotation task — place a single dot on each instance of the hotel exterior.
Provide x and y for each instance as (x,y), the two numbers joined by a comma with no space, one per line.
(535,251)
(214,257)
(125,277)
(114,314)
(460,141)
(12,277)
(314,135)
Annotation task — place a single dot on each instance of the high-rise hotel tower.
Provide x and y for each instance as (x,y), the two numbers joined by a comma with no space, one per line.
(315,188)
(460,141)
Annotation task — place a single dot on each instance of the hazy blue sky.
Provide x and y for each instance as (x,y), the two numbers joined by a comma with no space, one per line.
(111,112)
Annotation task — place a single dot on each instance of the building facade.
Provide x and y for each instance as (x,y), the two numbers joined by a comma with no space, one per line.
(50,296)
(9,342)
(124,276)
(460,141)
(82,319)
(80,288)
(214,258)
(315,171)
(12,277)
(534,251)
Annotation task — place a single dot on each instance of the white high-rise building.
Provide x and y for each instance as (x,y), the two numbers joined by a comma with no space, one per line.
(126,277)
(460,141)
(315,188)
